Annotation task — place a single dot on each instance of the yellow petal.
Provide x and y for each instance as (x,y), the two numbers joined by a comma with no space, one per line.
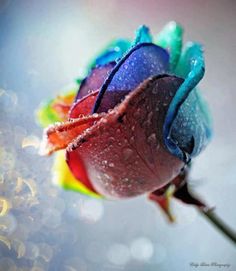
(64,178)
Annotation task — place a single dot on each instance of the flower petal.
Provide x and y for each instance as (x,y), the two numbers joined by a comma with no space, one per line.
(63,177)
(187,125)
(124,153)
(142,35)
(94,80)
(79,171)
(141,62)
(55,109)
(83,106)
(114,51)
(62,104)
(59,135)
(170,38)
(46,115)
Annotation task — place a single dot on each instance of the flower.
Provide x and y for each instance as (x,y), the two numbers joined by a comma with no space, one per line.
(136,121)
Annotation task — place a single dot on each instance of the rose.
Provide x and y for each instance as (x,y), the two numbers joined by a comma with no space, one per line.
(136,120)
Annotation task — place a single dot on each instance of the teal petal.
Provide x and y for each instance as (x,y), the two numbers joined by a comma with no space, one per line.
(191,129)
(170,38)
(187,128)
(112,52)
(142,35)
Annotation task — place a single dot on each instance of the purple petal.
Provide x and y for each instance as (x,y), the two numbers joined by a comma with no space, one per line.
(94,80)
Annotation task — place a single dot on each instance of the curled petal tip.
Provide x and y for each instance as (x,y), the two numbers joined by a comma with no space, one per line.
(175,26)
(142,35)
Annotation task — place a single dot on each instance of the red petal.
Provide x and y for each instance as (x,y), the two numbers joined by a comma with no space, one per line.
(77,168)
(124,153)
(83,106)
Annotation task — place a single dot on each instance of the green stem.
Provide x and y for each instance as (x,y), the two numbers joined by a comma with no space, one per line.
(218,222)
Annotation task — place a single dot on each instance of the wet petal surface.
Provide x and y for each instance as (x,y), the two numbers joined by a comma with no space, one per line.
(187,126)
(123,153)
(143,61)
(94,80)
(58,136)
(83,106)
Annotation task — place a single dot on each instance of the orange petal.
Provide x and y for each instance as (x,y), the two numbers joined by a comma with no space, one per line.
(62,104)
(58,136)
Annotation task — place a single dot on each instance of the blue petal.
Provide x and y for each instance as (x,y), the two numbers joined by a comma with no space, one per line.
(113,52)
(142,35)
(187,128)
(191,129)
(141,62)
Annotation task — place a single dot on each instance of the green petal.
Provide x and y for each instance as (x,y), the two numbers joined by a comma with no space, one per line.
(46,115)
(170,38)
(191,59)
(142,35)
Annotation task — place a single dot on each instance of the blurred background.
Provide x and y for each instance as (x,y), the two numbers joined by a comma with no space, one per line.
(44,46)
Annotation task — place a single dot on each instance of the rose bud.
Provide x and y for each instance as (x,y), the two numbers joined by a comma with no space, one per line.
(135,123)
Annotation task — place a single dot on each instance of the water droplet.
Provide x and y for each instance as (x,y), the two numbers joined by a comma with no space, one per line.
(132,139)
(127,153)
(107,177)
(149,117)
(137,113)
(104,162)
(111,140)
(126,180)
(155,89)
(152,139)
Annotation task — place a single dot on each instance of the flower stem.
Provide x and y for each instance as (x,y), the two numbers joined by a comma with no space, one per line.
(218,222)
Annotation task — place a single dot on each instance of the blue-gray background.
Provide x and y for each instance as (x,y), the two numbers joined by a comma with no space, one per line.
(44,46)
